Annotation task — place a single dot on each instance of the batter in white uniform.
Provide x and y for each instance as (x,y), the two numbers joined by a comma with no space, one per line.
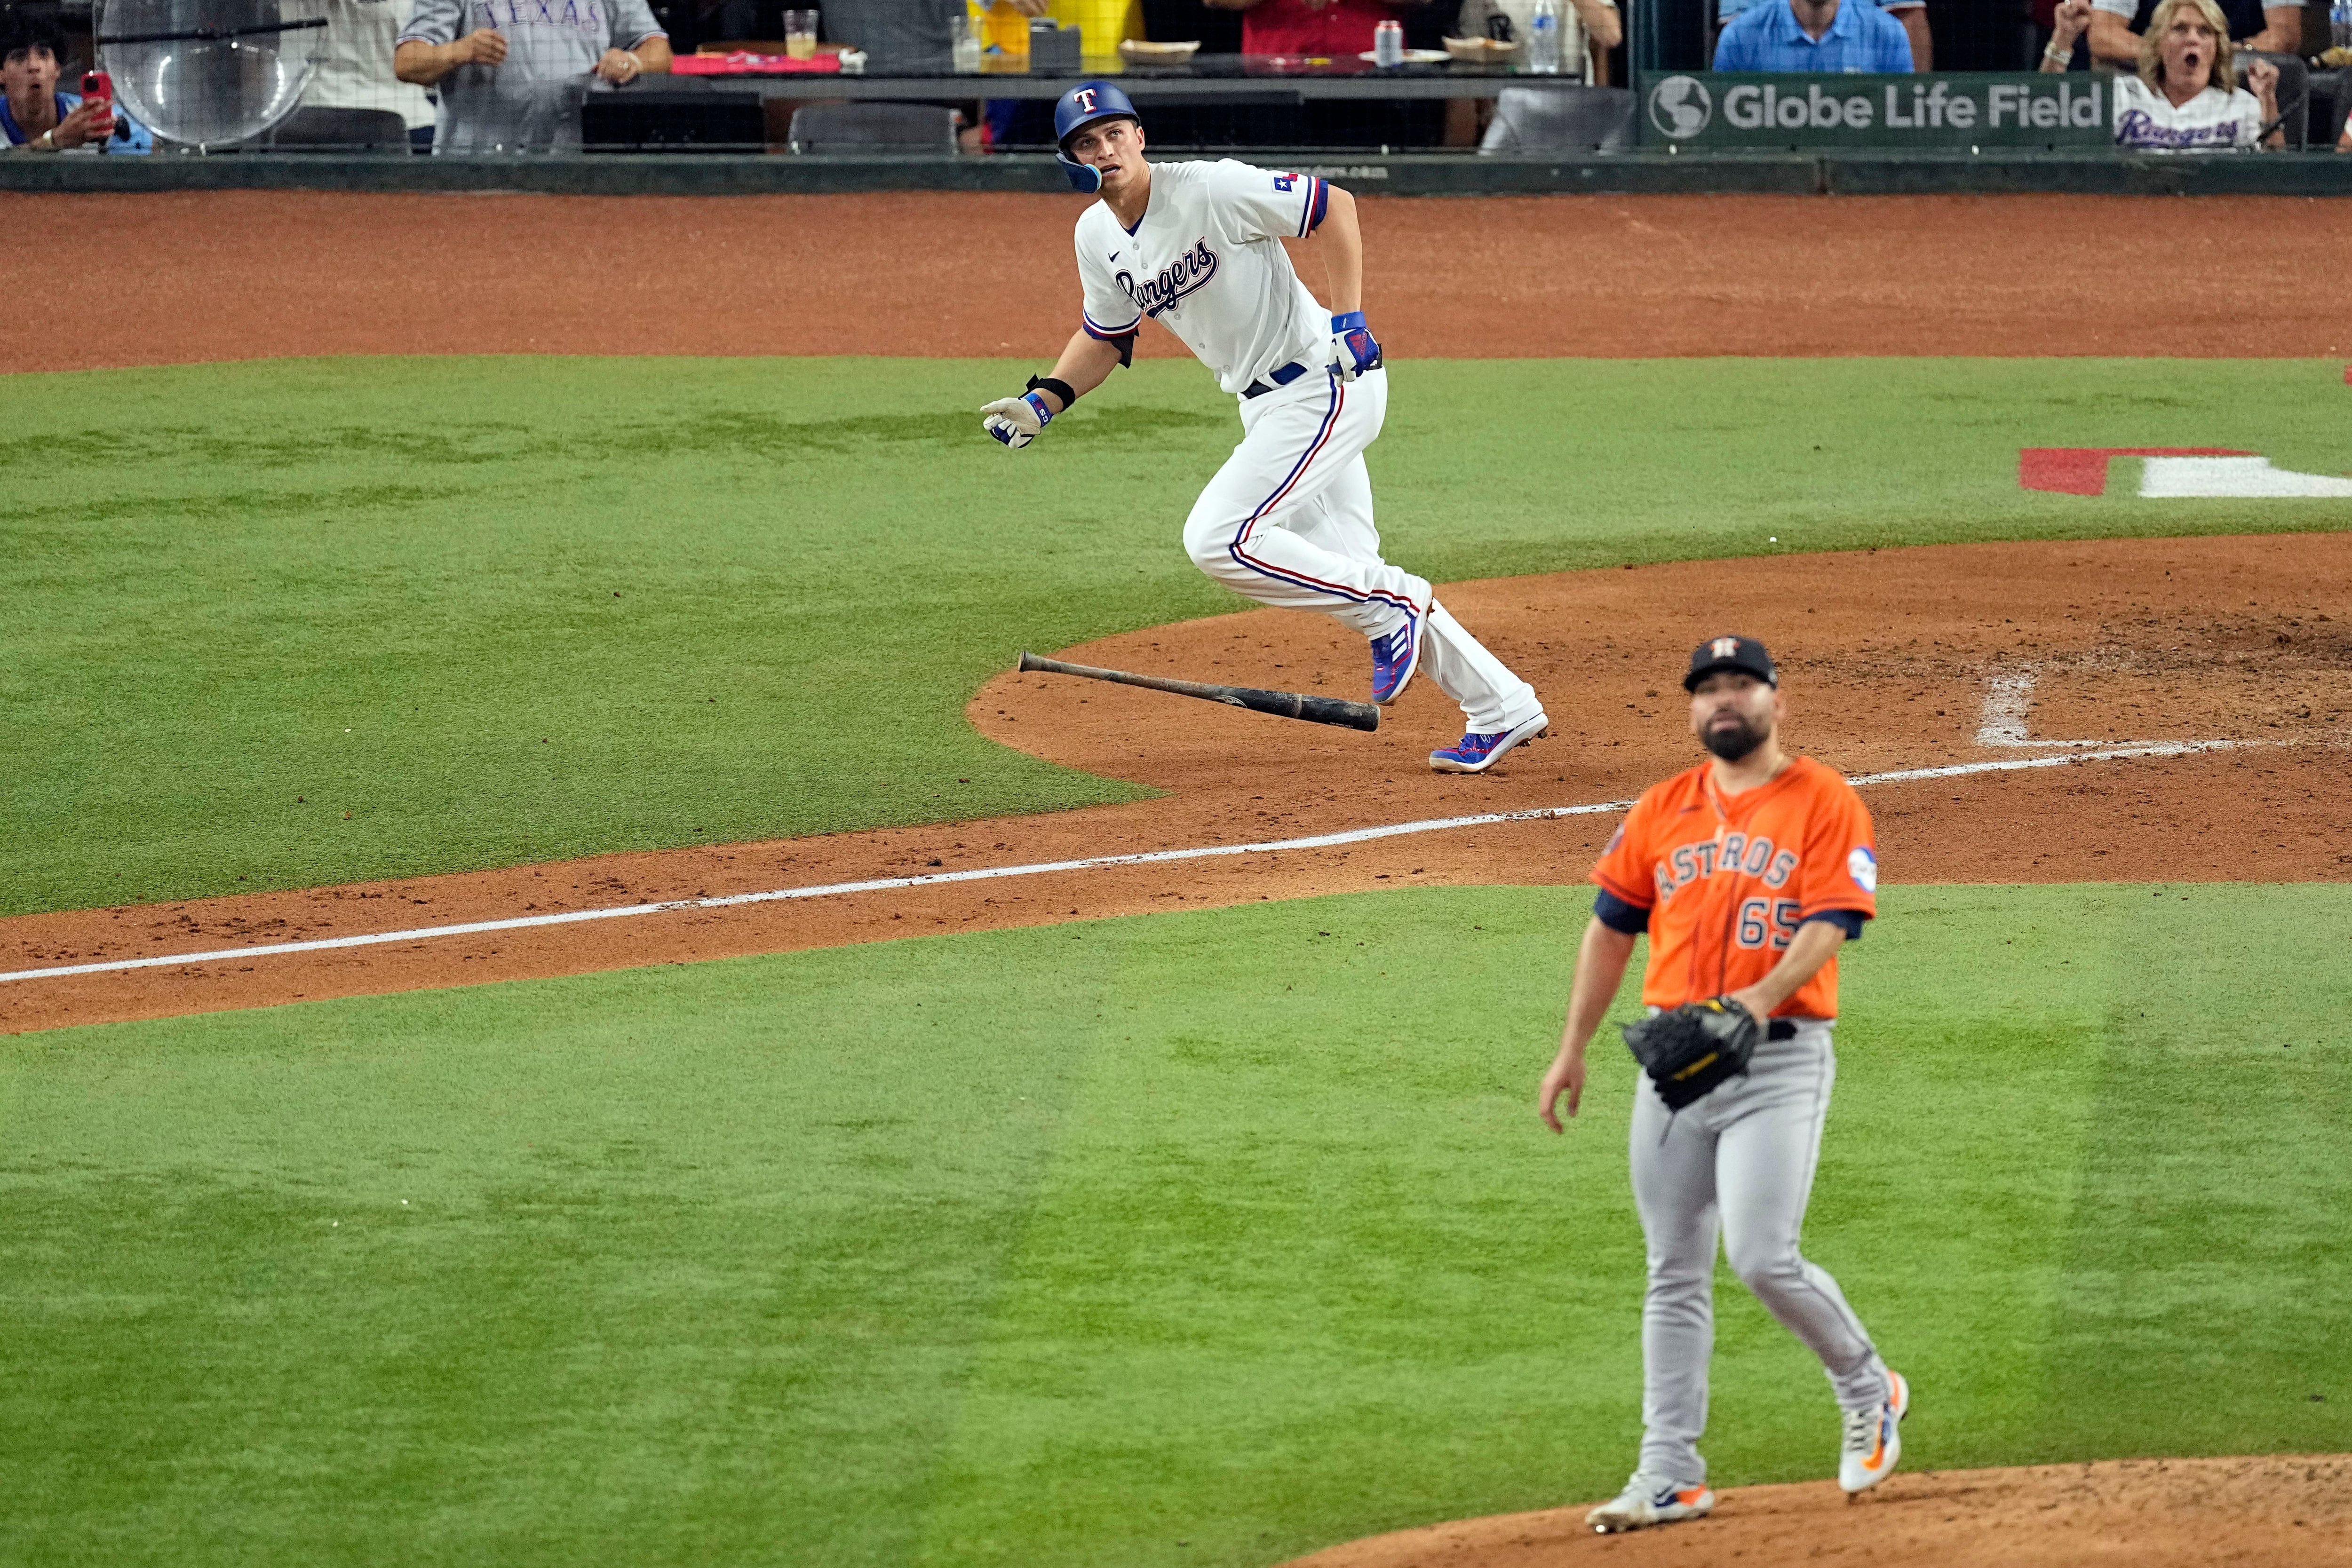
(1289,519)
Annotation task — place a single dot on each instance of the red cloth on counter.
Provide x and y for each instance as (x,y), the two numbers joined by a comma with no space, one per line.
(1341,29)
(741,63)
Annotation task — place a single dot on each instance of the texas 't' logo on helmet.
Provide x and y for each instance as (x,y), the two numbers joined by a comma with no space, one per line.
(1724,648)
(1085,97)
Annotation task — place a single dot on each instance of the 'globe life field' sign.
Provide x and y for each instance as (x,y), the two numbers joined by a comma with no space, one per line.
(1947,111)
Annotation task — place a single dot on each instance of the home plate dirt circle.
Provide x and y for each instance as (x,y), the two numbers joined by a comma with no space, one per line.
(2279,1511)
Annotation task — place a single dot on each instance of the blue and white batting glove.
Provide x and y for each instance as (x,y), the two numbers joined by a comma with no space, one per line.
(1016,421)
(1354,349)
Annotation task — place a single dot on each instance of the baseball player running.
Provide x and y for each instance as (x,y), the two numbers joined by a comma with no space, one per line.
(1289,519)
(1749,872)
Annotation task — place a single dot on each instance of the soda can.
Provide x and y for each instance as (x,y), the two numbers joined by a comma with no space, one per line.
(1388,44)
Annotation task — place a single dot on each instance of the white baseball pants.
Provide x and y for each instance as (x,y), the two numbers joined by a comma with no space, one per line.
(1287,521)
(1740,1162)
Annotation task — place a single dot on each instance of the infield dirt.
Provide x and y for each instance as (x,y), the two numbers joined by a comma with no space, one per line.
(1889,659)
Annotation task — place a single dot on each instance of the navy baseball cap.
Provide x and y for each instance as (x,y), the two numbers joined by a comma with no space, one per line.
(1084,105)
(1745,654)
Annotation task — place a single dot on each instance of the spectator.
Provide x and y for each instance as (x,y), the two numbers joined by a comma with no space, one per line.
(524,96)
(2182,101)
(353,98)
(1813,36)
(1588,29)
(2118,27)
(38,118)
(904,37)
(1912,13)
(1335,29)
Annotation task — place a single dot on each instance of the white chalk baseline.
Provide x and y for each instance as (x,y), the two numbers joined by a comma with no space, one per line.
(1046,868)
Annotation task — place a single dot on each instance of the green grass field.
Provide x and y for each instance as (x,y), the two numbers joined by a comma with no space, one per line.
(505,610)
(1181,1239)
(1200,1239)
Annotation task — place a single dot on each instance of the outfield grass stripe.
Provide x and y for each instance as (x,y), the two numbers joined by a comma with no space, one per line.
(1042,868)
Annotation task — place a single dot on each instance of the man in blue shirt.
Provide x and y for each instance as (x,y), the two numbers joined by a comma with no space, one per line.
(1912,13)
(1813,36)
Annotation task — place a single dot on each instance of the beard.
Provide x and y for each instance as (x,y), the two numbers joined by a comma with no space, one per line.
(1735,740)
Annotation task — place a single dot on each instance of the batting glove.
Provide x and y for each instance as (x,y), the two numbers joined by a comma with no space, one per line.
(1354,349)
(1017,421)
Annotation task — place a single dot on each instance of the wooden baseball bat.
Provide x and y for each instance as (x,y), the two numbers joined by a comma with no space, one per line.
(1282,705)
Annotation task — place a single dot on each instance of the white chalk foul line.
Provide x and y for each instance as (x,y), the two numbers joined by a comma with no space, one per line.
(1043,868)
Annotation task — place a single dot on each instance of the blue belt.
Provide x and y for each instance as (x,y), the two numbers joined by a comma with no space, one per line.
(1281,378)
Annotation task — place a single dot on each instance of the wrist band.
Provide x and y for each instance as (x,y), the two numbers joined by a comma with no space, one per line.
(1060,389)
(1045,414)
(1347,322)
(2054,53)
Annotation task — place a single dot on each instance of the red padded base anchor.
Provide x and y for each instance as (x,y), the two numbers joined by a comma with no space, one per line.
(2082,470)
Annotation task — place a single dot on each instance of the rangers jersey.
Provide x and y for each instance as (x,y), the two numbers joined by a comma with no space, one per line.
(2212,121)
(1206,261)
(1724,881)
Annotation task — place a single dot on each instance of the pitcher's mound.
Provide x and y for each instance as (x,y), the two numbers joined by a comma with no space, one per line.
(2144,1513)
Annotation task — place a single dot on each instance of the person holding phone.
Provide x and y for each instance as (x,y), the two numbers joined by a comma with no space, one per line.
(38,118)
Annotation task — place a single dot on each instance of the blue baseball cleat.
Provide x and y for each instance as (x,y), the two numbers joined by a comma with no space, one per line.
(1395,657)
(1476,753)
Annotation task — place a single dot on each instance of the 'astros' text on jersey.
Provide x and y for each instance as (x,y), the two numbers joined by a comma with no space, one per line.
(1726,880)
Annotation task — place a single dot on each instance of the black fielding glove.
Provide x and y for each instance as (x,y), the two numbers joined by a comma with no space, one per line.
(1689,1049)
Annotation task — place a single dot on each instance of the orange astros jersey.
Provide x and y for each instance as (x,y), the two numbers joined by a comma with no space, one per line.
(1728,879)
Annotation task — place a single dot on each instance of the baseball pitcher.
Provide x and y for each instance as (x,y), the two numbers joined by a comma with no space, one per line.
(1289,519)
(1749,872)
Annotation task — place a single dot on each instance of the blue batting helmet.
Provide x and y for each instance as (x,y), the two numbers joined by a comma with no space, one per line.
(1080,106)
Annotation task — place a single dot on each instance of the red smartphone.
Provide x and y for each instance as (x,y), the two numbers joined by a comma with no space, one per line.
(98,85)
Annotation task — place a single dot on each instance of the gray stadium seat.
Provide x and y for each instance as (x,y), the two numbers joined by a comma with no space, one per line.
(902,128)
(337,131)
(1537,122)
(2331,96)
(2294,92)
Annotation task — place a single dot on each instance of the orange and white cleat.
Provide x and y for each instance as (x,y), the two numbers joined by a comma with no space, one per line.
(1647,1500)
(1874,1438)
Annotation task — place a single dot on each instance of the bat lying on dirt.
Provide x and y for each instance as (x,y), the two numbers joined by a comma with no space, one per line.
(1282,705)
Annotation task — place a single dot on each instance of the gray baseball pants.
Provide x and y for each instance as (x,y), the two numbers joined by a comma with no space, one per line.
(1738,1162)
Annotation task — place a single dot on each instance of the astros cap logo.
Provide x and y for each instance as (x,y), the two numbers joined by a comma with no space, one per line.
(1085,97)
(1724,648)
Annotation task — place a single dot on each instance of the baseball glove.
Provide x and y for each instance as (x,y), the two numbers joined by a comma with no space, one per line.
(1688,1049)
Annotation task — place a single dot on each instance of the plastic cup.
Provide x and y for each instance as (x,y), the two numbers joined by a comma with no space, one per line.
(800,34)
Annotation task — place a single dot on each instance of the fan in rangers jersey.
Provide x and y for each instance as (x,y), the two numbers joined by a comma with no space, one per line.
(1288,520)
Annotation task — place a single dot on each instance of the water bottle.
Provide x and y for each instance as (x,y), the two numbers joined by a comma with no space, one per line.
(2339,18)
(1543,39)
(1388,44)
